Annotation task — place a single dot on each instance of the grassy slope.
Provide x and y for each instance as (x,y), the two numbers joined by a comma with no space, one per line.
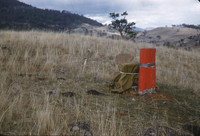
(32,64)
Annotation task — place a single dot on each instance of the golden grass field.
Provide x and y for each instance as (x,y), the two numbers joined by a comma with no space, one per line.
(34,63)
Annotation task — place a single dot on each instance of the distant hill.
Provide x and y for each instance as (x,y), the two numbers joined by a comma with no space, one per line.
(137,29)
(20,16)
(168,36)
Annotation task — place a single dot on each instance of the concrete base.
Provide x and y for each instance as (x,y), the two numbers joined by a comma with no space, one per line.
(148,91)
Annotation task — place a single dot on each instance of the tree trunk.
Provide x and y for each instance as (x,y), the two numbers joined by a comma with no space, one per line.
(121,34)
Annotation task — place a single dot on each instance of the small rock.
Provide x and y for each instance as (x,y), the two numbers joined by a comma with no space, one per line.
(68,94)
(61,78)
(133,99)
(74,129)
(88,133)
(164,102)
(163,131)
(94,92)
(82,128)
(42,78)
(89,50)
(51,93)
(4,47)
(23,75)
(150,132)
(61,71)
(83,125)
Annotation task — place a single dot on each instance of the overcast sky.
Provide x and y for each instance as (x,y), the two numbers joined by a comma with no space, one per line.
(146,13)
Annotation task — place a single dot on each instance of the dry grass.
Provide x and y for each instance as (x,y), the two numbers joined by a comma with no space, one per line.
(34,63)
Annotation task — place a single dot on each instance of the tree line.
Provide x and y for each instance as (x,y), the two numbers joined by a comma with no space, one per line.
(18,15)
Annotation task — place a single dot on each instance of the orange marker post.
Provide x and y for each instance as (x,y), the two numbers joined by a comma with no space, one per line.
(147,73)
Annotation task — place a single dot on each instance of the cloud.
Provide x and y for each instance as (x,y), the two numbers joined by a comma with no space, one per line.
(146,13)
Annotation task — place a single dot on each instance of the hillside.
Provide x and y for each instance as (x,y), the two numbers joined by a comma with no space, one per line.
(44,87)
(103,31)
(20,16)
(176,37)
(186,38)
